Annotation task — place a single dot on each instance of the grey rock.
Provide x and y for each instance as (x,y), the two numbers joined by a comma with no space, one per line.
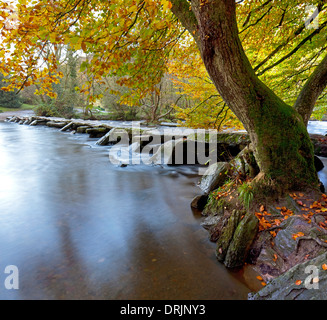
(199,202)
(214,177)
(284,287)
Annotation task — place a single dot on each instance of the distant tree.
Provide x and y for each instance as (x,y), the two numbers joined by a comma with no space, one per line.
(8,99)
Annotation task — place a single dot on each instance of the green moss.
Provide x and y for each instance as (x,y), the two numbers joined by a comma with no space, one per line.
(227,235)
(284,150)
(243,238)
(214,206)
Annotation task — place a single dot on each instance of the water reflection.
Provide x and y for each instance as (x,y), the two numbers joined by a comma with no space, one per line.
(80,228)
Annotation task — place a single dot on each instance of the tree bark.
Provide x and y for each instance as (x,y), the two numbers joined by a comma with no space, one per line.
(281,142)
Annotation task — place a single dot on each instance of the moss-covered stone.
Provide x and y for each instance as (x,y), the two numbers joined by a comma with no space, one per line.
(243,237)
(214,206)
(97,132)
(82,129)
(227,235)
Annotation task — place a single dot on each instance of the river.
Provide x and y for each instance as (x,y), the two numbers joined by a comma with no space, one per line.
(78,227)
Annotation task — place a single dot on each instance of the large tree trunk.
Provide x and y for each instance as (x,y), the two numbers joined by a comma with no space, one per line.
(282,145)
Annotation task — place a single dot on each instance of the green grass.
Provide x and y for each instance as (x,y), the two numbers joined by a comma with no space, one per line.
(23,107)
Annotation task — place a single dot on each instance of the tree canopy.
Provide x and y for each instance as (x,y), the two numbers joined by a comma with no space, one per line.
(138,41)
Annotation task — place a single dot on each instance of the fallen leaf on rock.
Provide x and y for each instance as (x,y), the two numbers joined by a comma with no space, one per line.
(296,235)
(273,233)
(298,282)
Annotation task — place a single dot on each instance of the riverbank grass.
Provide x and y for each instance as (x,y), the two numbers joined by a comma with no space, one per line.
(24,106)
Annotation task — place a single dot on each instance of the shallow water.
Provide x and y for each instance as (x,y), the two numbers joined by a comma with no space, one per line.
(78,227)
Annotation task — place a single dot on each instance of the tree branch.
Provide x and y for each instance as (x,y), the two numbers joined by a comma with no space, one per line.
(305,40)
(181,9)
(311,91)
(296,33)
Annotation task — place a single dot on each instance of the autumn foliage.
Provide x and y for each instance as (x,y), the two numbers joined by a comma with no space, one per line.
(138,42)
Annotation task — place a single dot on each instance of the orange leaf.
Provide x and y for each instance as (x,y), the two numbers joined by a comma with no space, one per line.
(259,278)
(277,222)
(298,282)
(324,266)
(262,208)
(263,283)
(273,233)
(296,235)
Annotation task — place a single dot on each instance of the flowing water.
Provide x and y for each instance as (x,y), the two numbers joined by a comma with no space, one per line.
(78,227)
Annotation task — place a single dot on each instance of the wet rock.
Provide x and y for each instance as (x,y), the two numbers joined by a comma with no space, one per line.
(171,152)
(319,144)
(214,177)
(82,129)
(211,221)
(104,140)
(97,132)
(67,127)
(13,119)
(55,124)
(115,135)
(318,164)
(33,123)
(199,202)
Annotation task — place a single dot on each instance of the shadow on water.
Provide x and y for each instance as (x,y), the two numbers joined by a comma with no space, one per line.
(78,227)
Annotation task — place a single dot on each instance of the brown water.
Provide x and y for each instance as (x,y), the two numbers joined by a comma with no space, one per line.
(78,227)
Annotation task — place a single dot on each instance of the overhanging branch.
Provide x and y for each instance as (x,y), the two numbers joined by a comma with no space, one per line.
(311,91)
(181,9)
